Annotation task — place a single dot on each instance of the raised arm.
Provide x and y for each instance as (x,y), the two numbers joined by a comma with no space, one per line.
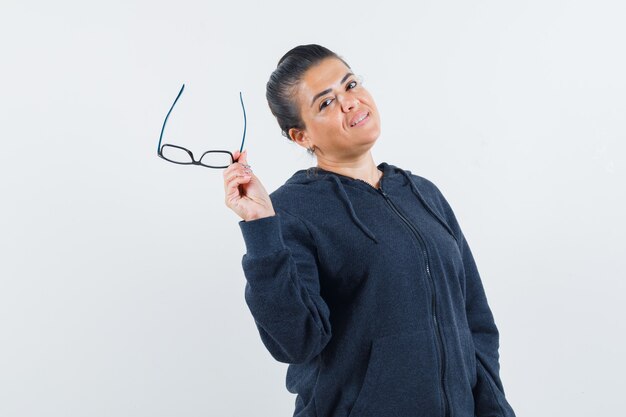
(282,289)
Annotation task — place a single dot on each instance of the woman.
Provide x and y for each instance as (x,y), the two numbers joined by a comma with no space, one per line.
(358,275)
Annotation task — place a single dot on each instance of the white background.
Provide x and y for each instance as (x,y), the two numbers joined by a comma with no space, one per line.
(121,289)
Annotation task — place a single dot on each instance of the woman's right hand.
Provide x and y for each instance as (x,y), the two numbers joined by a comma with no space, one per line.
(245,194)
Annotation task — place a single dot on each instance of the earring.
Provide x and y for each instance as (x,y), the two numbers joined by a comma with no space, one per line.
(311,150)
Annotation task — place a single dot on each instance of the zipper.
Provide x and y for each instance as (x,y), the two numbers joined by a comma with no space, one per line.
(432,288)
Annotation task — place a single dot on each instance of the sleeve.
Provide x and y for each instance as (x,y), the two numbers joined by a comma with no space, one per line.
(282,289)
(489,396)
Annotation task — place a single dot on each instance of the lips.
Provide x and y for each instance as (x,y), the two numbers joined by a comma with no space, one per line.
(359,117)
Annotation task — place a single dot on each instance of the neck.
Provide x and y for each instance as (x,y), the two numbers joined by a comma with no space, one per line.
(363,168)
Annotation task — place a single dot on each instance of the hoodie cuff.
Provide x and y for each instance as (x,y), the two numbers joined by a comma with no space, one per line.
(262,236)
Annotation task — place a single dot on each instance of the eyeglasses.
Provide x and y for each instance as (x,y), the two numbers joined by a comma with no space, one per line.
(210,159)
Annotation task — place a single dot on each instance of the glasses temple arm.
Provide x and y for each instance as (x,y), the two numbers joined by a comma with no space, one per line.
(244,122)
(168,115)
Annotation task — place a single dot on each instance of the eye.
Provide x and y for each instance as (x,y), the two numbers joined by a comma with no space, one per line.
(351,85)
(325,103)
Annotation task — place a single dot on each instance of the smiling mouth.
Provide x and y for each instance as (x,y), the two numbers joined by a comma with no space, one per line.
(362,120)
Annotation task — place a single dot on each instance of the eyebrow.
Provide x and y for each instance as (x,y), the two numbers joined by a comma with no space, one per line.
(328,90)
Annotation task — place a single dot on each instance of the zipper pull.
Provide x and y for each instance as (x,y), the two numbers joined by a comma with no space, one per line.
(380,188)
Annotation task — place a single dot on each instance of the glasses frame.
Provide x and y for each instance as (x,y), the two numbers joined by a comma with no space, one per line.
(193,160)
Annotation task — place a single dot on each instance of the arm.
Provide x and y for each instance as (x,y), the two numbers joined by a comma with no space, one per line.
(489,397)
(282,289)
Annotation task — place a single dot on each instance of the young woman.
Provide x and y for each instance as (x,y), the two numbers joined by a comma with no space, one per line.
(358,275)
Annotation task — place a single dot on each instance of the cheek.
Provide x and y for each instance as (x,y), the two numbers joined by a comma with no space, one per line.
(370,100)
(328,121)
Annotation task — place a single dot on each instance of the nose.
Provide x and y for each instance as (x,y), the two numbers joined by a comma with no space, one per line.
(347,102)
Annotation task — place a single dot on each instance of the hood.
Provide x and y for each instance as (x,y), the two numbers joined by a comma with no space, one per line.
(392,176)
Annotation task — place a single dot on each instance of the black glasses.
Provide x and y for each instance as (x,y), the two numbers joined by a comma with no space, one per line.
(210,159)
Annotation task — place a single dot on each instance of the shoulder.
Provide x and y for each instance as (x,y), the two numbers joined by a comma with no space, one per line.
(295,206)
(291,197)
(305,194)
(434,197)
(426,186)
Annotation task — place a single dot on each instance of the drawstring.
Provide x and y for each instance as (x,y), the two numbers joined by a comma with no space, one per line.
(342,192)
(363,227)
(423,200)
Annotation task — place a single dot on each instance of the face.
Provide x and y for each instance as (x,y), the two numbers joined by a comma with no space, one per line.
(339,114)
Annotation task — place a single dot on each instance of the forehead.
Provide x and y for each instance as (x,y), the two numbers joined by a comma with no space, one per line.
(326,74)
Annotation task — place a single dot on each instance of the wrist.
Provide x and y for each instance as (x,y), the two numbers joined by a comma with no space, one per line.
(260,216)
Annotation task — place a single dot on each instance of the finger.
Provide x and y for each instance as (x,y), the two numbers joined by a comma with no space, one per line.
(243,159)
(230,178)
(232,167)
(229,170)
(239,166)
(238,171)
(235,182)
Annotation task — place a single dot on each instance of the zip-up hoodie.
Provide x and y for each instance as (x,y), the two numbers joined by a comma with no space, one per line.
(373,298)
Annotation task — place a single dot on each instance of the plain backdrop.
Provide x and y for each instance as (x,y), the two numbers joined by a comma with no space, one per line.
(121,289)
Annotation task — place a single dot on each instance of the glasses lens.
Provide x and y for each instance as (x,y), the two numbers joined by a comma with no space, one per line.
(216,159)
(175,154)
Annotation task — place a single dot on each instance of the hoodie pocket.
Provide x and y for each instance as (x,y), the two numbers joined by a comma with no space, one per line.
(402,378)
(470,351)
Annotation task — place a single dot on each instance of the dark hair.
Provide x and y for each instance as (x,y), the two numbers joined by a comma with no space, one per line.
(283,83)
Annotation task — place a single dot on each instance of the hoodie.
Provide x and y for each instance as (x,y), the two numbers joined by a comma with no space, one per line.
(373,298)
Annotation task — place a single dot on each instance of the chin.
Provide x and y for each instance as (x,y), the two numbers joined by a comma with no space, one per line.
(370,140)
(375,134)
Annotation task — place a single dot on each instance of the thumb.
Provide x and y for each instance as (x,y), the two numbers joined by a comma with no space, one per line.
(243,159)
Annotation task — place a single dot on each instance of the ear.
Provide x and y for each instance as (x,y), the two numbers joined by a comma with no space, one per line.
(300,137)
